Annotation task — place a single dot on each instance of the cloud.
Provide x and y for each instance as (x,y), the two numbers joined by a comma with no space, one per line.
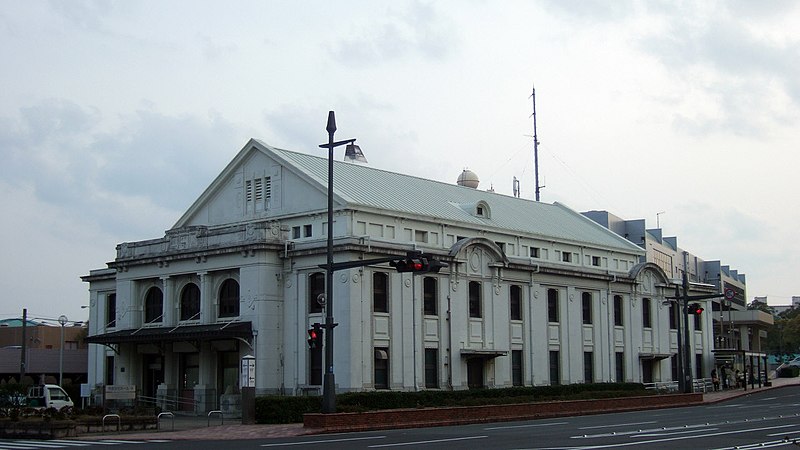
(747,78)
(140,175)
(419,31)
(213,50)
(590,10)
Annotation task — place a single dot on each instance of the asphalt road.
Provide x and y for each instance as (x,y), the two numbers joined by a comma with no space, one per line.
(766,419)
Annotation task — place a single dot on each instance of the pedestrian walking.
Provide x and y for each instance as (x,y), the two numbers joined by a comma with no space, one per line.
(715,379)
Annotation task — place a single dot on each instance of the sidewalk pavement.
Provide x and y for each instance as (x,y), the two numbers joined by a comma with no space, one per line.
(197,428)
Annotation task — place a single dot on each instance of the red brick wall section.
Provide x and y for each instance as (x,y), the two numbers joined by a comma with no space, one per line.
(430,417)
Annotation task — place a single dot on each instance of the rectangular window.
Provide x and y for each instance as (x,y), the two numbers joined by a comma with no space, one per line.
(111,310)
(516,367)
(502,246)
(535,252)
(109,370)
(420,236)
(552,305)
(698,366)
(475,299)
(698,322)
(620,366)
(673,317)
(647,316)
(555,368)
(515,302)
(248,189)
(596,261)
(429,297)
(588,367)
(618,310)
(316,288)
(566,257)
(586,300)
(431,368)
(380,294)
(295,232)
(381,368)
(307,230)
(673,360)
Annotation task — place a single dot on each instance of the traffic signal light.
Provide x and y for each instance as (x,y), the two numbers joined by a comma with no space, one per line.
(417,264)
(694,309)
(410,265)
(315,336)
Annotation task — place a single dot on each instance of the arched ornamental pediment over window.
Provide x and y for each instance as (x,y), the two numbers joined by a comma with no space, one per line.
(652,281)
(478,255)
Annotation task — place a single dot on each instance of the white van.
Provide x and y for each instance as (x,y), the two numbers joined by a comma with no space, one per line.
(48,396)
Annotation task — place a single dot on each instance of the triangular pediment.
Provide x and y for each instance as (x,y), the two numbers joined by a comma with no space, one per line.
(258,184)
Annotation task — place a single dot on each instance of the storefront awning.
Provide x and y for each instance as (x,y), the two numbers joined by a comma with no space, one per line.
(482,353)
(210,332)
(655,356)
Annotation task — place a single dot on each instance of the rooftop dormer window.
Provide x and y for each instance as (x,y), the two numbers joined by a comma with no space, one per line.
(482,210)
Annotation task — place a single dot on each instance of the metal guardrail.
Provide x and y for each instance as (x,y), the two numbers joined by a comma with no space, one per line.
(698,385)
(171,403)
(119,421)
(165,414)
(216,411)
(664,386)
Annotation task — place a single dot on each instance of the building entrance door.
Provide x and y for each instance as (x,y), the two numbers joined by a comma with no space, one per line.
(475,373)
(153,374)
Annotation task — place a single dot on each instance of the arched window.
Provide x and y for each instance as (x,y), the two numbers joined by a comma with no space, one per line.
(229,298)
(190,302)
(153,305)
(316,286)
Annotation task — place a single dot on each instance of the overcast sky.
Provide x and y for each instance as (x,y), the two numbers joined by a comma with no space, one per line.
(114,116)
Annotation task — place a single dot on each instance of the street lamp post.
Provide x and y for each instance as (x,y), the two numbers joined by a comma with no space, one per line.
(62,319)
(328,381)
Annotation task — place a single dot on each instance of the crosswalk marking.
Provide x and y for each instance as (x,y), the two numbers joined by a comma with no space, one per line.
(65,443)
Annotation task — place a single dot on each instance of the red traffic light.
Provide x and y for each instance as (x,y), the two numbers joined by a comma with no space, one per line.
(417,264)
(315,337)
(410,265)
(694,309)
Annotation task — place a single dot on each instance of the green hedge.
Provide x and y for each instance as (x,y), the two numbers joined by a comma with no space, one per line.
(285,409)
(288,409)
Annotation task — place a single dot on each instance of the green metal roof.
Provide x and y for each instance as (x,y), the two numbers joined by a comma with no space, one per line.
(361,185)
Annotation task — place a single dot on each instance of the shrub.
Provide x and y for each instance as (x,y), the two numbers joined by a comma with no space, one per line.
(285,409)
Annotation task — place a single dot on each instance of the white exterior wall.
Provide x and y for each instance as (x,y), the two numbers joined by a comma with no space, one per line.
(253,243)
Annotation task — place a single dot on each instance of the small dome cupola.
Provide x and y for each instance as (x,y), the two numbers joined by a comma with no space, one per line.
(469,179)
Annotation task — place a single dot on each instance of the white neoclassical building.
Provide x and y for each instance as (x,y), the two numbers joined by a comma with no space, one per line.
(533,294)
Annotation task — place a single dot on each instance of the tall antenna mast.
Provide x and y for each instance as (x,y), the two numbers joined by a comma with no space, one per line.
(535,146)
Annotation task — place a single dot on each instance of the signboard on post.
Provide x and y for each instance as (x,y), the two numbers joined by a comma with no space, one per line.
(120,392)
(248,371)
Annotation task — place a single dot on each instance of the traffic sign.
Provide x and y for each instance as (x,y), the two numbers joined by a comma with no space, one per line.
(729,294)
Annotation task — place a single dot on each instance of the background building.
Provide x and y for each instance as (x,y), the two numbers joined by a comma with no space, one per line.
(43,357)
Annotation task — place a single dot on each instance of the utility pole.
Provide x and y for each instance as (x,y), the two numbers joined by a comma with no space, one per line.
(535,146)
(687,362)
(24,344)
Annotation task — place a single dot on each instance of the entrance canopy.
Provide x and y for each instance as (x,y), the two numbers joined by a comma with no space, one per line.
(228,330)
(655,356)
(482,353)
